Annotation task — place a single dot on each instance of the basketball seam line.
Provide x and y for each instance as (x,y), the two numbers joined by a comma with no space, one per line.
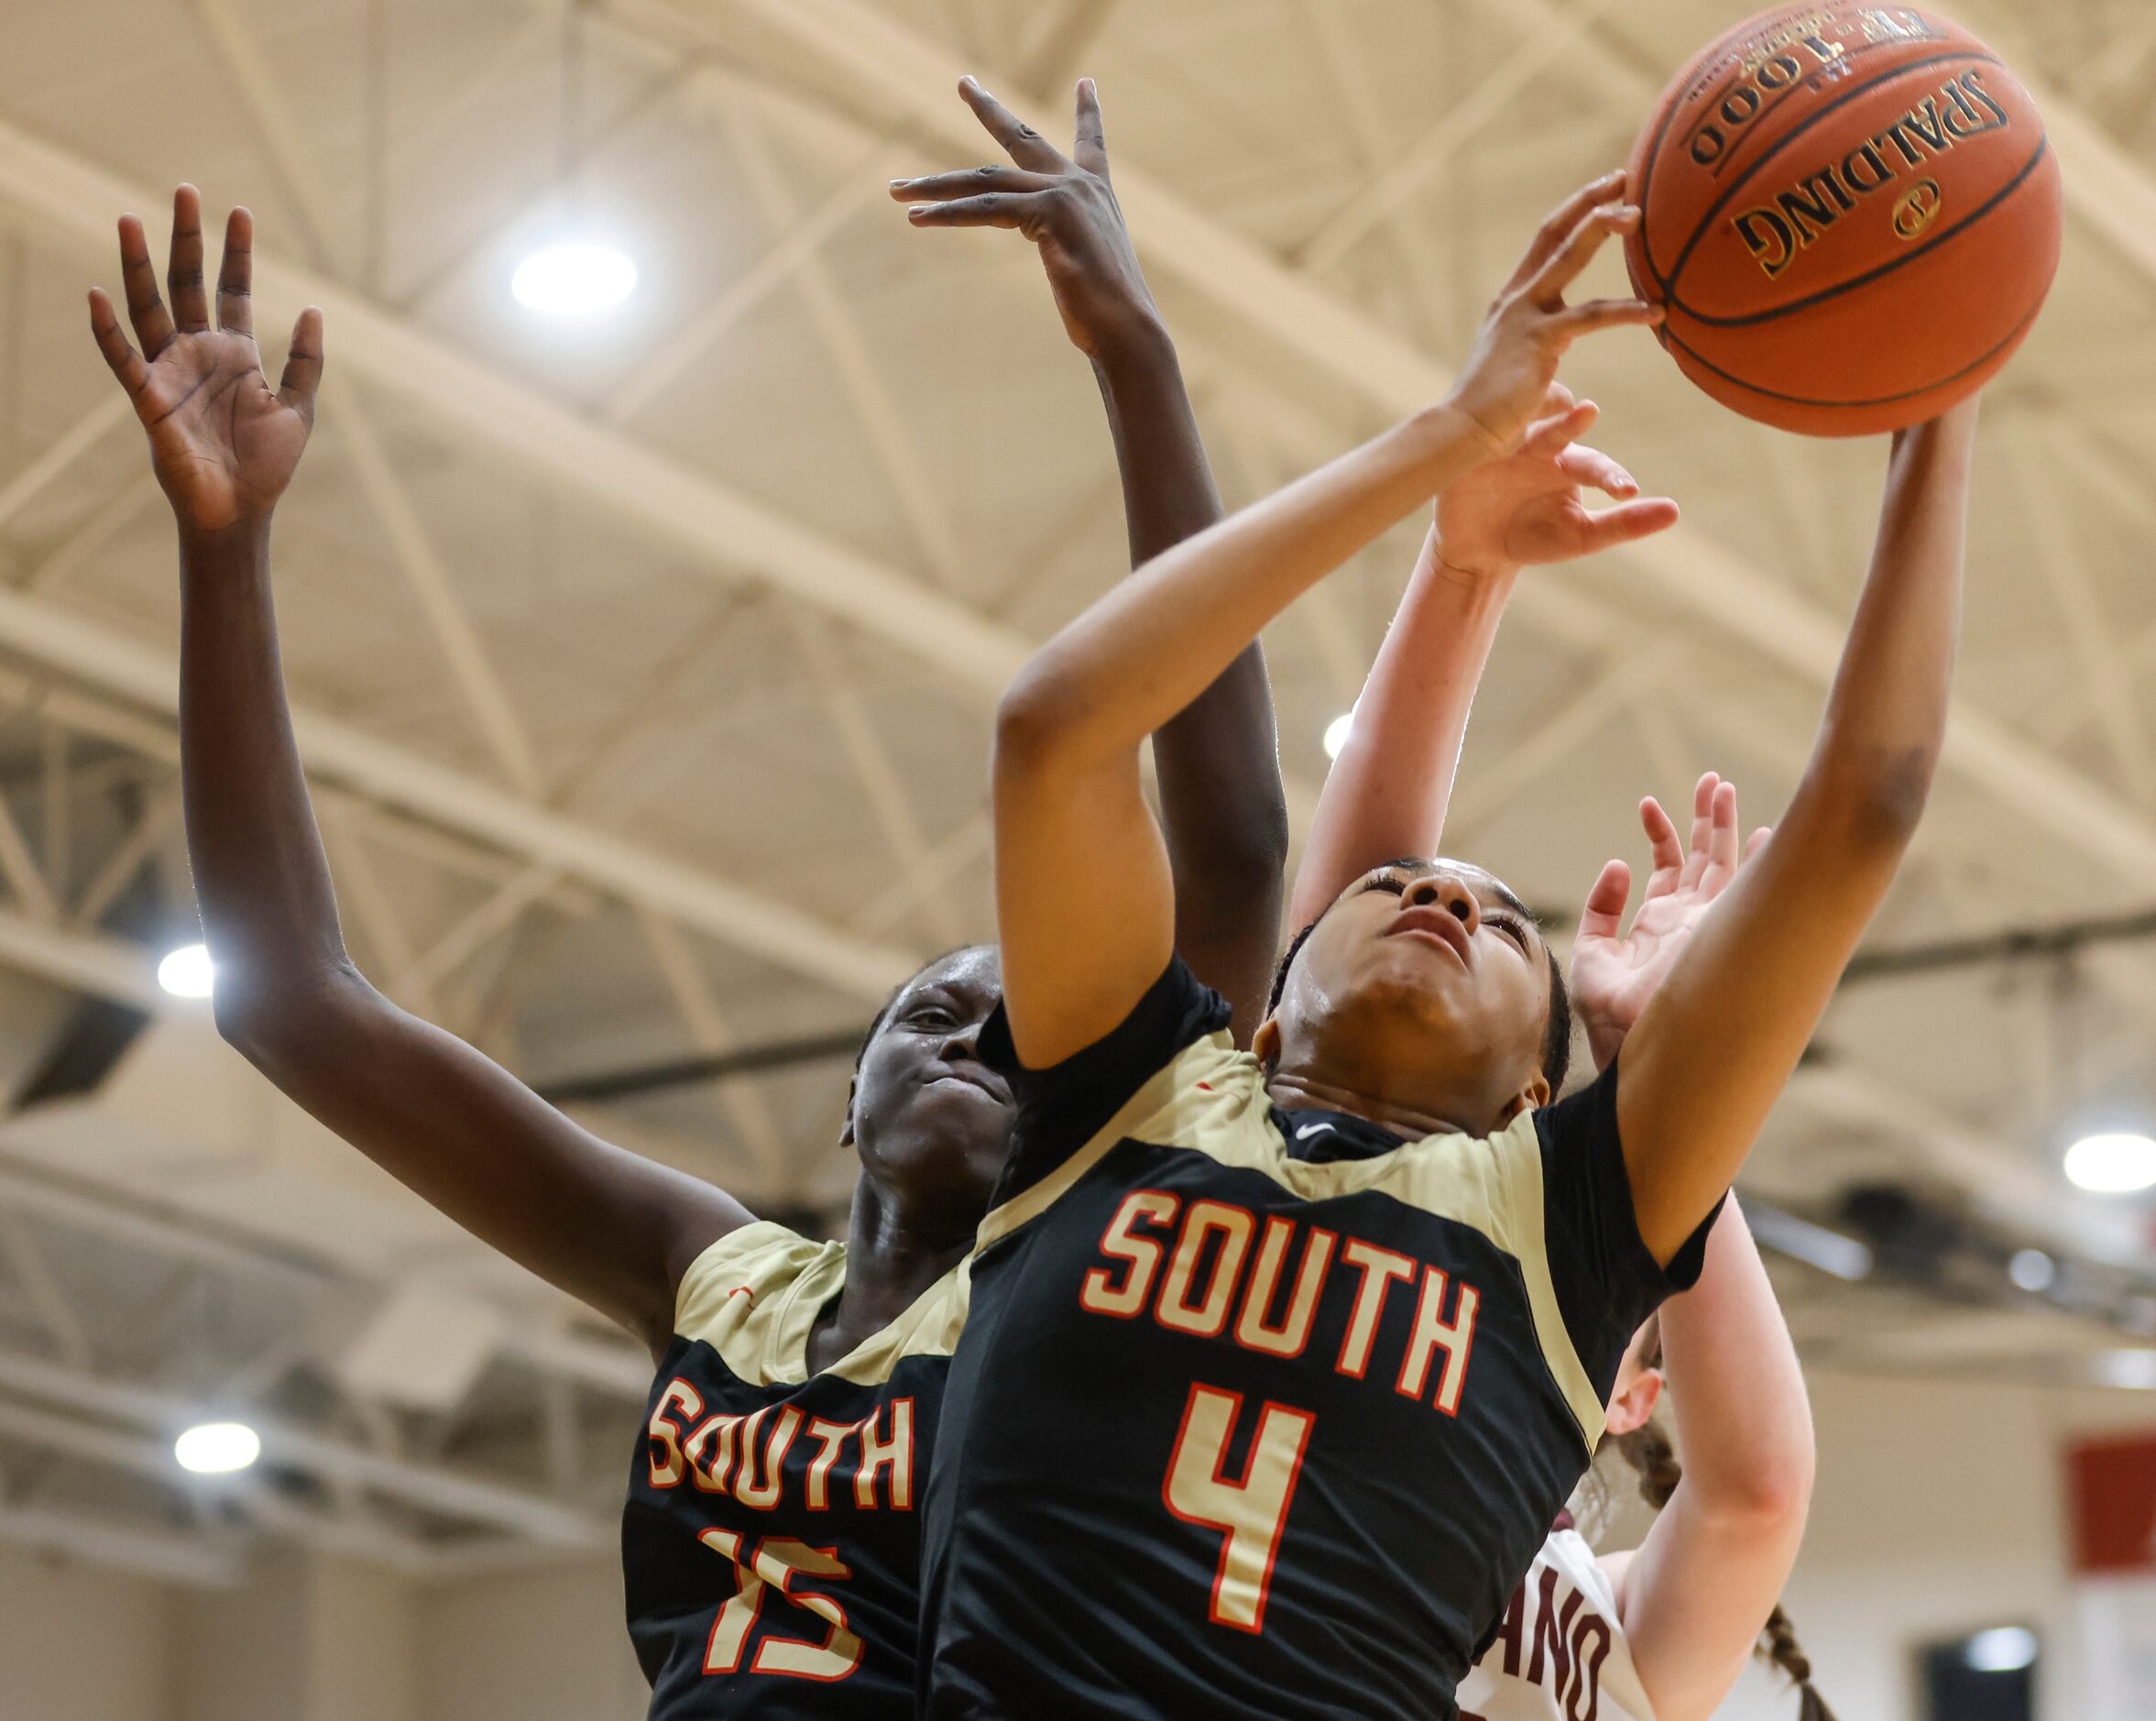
(2012,335)
(1870,275)
(1670,101)
(1729,192)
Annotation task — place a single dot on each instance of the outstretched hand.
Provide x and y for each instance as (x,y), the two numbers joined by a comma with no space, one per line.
(1531,507)
(1615,973)
(1064,204)
(225,447)
(1508,372)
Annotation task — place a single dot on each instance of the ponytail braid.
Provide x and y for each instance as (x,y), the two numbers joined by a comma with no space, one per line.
(1778,1647)
(1648,1450)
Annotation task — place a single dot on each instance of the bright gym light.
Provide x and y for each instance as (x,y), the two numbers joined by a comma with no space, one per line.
(2002,1649)
(1336,733)
(2112,1165)
(2032,1269)
(186,972)
(212,1449)
(574,280)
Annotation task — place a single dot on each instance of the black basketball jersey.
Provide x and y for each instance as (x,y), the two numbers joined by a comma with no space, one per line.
(770,1546)
(1263,1412)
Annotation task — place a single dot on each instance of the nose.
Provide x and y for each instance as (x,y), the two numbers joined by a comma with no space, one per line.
(962,1042)
(1442,890)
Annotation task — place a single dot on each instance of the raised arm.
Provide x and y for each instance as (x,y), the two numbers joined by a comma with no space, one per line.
(1696,1594)
(1085,894)
(1387,792)
(1218,763)
(608,1226)
(1717,1043)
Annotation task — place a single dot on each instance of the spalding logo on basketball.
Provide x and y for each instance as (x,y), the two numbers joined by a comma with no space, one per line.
(1851,212)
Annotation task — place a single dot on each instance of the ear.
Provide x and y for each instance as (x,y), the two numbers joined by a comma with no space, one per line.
(1632,1406)
(1531,1098)
(1264,1045)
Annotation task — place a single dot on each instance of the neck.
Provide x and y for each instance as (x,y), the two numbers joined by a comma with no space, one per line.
(891,1256)
(1297,1090)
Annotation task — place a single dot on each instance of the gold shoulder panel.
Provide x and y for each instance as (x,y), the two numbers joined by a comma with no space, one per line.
(1211,1099)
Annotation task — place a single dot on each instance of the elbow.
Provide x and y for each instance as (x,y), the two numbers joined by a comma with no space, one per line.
(280,1028)
(1036,720)
(1878,799)
(1769,1496)
(1241,855)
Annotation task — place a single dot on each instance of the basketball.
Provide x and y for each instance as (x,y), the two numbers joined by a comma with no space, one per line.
(1850,213)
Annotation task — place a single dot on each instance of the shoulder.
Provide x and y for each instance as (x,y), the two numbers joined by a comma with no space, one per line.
(737,1296)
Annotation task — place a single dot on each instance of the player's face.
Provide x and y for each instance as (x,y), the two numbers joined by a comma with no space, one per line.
(1427,984)
(931,1122)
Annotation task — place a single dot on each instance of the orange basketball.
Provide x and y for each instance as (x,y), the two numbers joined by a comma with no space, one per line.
(1850,212)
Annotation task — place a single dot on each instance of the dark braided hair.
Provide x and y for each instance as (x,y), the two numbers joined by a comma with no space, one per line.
(1557,1032)
(1649,1451)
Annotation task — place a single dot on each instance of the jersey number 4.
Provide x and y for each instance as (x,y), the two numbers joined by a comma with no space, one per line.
(1251,1512)
(772,1565)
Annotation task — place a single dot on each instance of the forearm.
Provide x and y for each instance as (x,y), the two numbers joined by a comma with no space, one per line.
(1387,792)
(1743,1420)
(269,910)
(1694,1597)
(1717,1043)
(1885,714)
(1144,651)
(1222,808)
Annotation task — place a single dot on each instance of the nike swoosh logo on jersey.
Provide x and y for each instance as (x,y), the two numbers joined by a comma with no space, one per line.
(1309,1130)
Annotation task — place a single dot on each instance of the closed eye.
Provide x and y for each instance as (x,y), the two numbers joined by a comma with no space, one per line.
(1385,881)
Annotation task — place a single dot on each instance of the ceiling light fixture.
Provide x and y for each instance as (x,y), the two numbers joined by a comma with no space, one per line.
(187,972)
(2002,1649)
(574,279)
(213,1449)
(2032,1270)
(2115,1163)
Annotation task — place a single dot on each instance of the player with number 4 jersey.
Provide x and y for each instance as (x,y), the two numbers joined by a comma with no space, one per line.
(1279,1364)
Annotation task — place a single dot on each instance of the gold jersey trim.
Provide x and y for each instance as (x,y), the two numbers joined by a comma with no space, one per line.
(1212,1099)
(755,1294)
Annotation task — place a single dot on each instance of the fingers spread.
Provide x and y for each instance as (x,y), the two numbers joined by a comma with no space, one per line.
(125,362)
(302,365)
(938,188)
(1597,314)
(235,278)
(146,309)
(1605,911)
(1722,841)
(1550,437)
(1569,259)
(183,274)
(1559,224)
(995,209)
(1089,150)
(1661,838)
(1027,147)
(1592,467)
(1628,522)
